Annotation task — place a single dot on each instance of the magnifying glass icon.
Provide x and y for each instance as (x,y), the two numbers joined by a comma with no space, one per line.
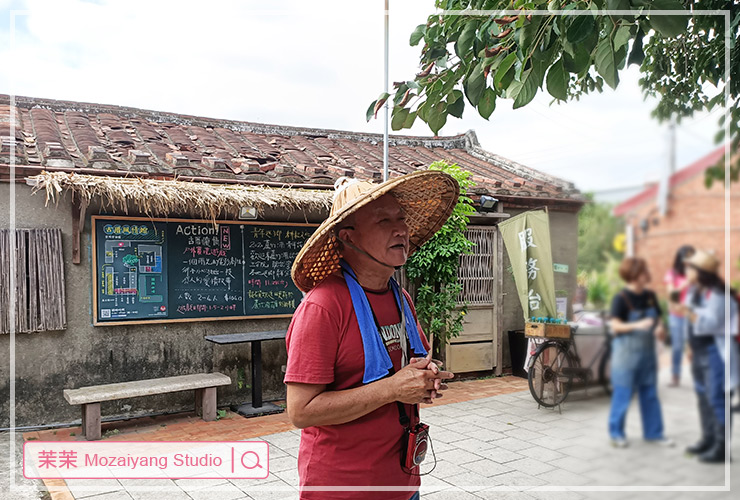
(256,459)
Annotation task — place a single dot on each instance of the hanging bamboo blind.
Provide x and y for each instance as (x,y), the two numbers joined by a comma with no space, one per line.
(39,280)
(476,271)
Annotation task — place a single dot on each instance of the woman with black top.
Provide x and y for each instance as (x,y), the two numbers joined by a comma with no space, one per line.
(635,322)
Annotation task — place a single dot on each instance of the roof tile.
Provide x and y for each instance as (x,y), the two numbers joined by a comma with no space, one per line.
(76,135)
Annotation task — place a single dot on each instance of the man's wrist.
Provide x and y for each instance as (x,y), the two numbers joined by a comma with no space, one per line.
(387,390)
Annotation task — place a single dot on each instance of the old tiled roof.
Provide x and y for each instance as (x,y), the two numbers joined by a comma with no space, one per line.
(114,140)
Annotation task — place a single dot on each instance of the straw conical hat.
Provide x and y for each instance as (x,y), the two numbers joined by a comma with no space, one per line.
(427,199)
(706,261)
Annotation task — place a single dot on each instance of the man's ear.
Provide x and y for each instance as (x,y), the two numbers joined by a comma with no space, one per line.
(346,234)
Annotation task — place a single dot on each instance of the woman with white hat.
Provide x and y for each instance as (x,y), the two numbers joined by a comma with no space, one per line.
(709,339)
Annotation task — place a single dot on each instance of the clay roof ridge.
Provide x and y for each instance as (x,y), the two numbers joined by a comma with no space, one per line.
(238,125)
(474,149)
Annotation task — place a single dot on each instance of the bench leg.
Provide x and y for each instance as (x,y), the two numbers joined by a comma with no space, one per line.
(91,421)
(208,403)
(198,402)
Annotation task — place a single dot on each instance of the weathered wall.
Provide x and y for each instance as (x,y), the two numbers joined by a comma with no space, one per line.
(564,241)
(48,362)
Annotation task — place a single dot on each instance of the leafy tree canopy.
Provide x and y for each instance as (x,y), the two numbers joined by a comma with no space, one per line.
(597,230)
(433,267)
(476,59)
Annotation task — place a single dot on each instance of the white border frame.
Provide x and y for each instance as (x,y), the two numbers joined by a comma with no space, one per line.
(724,13)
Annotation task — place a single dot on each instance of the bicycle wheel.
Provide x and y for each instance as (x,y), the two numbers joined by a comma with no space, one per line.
(550,374)
(605,378)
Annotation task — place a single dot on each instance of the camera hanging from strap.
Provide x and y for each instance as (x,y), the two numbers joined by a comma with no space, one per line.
(416,440)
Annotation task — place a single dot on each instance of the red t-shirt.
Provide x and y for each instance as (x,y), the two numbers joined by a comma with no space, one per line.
(325,347)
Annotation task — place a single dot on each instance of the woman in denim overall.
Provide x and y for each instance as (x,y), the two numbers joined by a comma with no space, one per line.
(634,363)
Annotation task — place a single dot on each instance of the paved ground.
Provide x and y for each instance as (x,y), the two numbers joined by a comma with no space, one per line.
(500,446)
(24,488)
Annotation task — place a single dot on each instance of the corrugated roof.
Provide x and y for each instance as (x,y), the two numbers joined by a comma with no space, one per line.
(114,140)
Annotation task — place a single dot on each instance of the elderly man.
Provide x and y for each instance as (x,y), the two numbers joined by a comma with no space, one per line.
(358,362)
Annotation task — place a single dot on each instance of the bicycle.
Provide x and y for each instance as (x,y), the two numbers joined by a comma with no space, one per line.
(556,364)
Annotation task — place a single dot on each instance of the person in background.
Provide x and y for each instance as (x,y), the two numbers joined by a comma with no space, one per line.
(708,338)
(677,287)
(635,322)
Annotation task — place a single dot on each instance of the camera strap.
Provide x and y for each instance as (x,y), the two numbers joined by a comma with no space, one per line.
(403,417)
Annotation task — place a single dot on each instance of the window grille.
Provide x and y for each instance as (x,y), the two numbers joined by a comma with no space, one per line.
(477,269)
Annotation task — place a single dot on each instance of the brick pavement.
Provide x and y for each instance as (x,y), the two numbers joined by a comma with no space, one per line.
(490,441)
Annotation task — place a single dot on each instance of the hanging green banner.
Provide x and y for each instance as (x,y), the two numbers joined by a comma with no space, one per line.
(527,240)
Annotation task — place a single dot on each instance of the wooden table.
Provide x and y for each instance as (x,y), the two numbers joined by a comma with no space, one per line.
(256,407)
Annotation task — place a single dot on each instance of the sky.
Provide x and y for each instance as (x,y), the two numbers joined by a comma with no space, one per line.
(313,64)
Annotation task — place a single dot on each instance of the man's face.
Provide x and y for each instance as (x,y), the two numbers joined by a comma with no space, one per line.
(380,230)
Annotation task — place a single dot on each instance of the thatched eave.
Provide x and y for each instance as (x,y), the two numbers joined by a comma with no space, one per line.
(161,198)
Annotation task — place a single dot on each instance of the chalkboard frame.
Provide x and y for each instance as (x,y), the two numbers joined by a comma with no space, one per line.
(96,320)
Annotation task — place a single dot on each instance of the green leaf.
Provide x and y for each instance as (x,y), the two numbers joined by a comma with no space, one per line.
(605,62)
(618,4)
(421,111)
(622,36)
(431,34)
(409,120)
(435,52)
(370,111)
(487,103)
(528,33)
(557,81)
(455,108)
(400,91)
(464,43)
(580,28)
(436,117)
(475,84)
(530,82)
(399,118)
(417,34)
(668,26)
(578,61)
(620,57)
(503,68)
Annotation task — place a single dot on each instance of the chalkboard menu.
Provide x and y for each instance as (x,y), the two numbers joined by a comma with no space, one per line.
(157,270)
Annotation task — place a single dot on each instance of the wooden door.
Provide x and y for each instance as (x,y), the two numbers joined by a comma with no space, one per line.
(477,347)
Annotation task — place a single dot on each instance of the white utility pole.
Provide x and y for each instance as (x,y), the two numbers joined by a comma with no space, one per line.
(385,106)
(664,190)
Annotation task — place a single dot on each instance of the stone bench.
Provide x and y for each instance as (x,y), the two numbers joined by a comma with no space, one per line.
(204,385)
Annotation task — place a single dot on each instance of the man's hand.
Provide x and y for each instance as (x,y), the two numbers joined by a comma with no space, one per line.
(435,365)
(420,381)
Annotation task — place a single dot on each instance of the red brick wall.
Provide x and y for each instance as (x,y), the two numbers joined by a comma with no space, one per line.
(696,216)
